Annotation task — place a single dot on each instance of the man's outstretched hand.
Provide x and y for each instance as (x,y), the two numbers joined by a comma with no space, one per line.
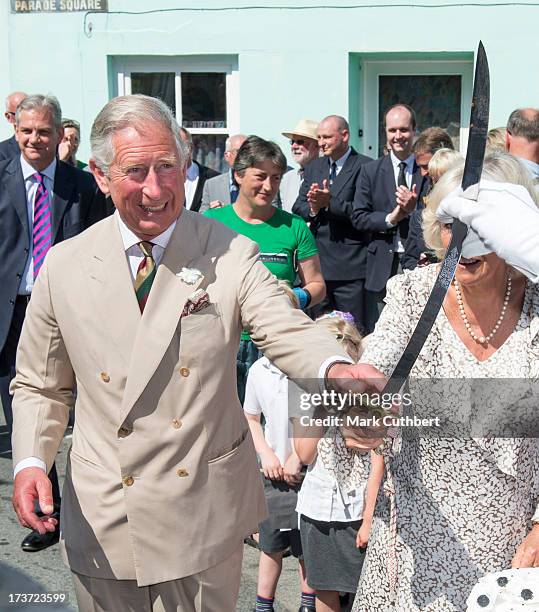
(358,378)
(33,484)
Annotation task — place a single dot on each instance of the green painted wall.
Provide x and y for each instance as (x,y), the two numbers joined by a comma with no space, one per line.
(292,63)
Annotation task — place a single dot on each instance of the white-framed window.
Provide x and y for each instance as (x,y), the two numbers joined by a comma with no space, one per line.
(202,91)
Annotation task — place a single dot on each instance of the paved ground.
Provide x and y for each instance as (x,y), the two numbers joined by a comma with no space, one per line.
(44,572)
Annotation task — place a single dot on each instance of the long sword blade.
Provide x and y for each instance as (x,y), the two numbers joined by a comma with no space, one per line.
(470,180)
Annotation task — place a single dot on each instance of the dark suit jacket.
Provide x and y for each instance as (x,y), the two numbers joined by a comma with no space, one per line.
(204,173)
(9,148)
(77,203)
(341,246)
(375,198)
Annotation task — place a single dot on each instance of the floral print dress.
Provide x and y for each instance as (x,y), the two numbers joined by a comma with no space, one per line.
(452,508)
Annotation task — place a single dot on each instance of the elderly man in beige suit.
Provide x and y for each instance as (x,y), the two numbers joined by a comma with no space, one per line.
(162,481)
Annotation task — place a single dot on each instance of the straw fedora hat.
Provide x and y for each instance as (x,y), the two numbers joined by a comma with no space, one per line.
(304,127)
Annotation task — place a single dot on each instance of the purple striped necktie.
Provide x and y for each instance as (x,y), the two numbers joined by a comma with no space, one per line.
(42,227)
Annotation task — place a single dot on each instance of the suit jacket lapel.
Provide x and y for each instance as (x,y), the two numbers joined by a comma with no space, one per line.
(389,182)
(17,193)
(419,182)
(197,197)
(64,186)
(112,287)
(163,309)
(344,174)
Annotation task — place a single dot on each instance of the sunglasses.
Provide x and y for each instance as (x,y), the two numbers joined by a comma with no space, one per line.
(298,141)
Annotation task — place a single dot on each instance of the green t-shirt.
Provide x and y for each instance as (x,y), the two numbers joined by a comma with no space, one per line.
(283,240)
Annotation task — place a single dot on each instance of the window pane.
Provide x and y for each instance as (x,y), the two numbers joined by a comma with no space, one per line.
(208,150)
(203,100)
(435,100)
(156,84)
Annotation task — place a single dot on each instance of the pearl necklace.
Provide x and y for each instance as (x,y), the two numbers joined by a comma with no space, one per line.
(482,339)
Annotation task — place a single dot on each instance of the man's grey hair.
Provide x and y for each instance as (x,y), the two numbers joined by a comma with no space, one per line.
(134,111)
(187,134)
(524,122)
(231,138)
(41,102)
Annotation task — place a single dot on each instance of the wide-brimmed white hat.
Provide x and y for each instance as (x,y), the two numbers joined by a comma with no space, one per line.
(304,127)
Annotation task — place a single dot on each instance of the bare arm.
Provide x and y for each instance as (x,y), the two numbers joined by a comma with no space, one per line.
(371,493)
(306,449)
(271,466)
(306,440)
(312,279)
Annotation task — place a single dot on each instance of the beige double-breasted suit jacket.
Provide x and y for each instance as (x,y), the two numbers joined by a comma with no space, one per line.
(162,480)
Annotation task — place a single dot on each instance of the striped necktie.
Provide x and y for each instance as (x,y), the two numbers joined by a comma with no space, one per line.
(145,274)
(42,226)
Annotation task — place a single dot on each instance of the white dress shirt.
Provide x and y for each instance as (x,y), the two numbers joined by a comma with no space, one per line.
(132,250)
(409,170)
(30,184)
(408,173)
(340,162)
(190,185)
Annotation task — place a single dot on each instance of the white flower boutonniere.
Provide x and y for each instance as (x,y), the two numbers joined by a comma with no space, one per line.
(189,275)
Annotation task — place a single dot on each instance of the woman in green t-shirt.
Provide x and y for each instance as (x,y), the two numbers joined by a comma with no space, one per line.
(287,247)
(286,243)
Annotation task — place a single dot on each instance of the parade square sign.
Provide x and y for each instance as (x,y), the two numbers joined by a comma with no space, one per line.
(58,6)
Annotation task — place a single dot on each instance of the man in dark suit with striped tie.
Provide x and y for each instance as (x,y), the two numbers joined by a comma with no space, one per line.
(42,201)
(325,201)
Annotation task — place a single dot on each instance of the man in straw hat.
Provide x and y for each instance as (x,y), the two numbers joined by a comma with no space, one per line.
(304,147)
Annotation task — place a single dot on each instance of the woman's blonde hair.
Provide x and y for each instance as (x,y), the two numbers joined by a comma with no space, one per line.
(290,293)
(498,166)
(496,139)
(441,161)
(345,333)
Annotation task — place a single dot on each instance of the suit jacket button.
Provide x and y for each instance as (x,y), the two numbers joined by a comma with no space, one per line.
(185,372)
(176,423)
(124,432)
(105,377)
(182,472)
(128,480)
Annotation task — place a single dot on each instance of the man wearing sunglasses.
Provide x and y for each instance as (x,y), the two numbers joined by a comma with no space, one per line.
(9,148)
(304,148)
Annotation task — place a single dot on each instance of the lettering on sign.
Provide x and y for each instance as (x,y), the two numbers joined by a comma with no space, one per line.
(58,6)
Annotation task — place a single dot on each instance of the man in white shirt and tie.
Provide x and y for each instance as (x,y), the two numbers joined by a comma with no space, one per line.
(388,192)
